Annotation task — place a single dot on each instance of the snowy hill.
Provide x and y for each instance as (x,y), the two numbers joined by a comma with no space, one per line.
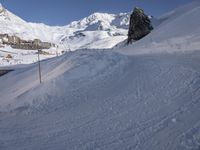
(110,100)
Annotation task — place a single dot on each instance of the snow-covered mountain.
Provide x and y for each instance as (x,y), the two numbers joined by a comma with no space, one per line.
(107,25)
(99,30)
(110,100)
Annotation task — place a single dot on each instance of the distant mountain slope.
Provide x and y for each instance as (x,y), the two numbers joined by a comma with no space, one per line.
(99,30)
(113,25)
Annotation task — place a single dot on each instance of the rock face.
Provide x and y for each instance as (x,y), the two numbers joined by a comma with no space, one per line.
(139,26)
(17,43)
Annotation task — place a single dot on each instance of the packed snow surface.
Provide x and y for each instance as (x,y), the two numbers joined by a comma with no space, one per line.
(110,99)
(103,100)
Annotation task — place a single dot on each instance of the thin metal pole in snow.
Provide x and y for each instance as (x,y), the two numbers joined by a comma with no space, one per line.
(57,50)
(39,67)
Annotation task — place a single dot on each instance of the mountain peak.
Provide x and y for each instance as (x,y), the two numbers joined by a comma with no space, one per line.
(99,15)
(2,9)
(4,12)
(103,21)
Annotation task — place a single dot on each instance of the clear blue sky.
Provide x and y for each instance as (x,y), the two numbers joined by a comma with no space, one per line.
(61,12)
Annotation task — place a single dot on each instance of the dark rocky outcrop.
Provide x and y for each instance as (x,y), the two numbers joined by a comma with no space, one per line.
(18,43)
(139,26)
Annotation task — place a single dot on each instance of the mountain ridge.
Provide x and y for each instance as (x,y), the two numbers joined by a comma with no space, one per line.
(97,31)
(19,27)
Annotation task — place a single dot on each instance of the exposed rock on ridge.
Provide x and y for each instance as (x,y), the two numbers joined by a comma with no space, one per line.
(140,25)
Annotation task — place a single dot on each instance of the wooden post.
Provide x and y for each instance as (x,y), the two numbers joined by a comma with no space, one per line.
(39,67)
(57,50)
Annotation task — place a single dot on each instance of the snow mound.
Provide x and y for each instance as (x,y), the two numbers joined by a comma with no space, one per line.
(71,67)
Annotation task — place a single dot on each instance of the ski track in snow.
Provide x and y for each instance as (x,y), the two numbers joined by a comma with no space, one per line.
(113,102)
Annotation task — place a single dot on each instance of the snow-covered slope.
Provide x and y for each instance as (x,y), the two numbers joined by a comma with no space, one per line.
(13,25)
(100,99)
(95,28)
(179,31)
(102,21)
(103,100)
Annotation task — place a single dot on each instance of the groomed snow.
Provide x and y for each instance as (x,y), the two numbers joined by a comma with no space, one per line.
(103,100)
